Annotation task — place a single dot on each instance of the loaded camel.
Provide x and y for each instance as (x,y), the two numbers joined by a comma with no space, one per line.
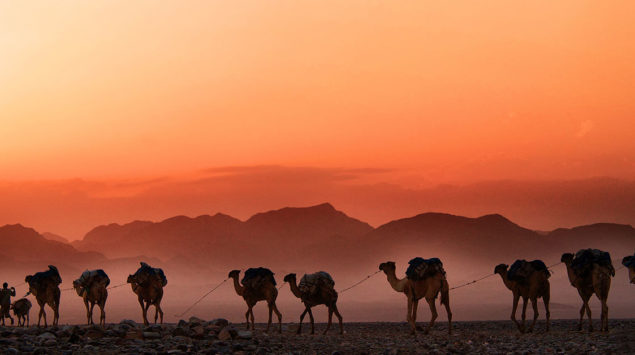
(415,288)
(148,283)
(21,310)
(531,281)
(315,289)
(590,272)
(258,284)
(91,286)
(629,262)
(45,287)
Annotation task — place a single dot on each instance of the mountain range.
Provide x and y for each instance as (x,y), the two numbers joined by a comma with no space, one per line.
(308,238)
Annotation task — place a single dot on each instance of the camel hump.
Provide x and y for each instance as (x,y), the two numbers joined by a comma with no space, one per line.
(49,276)
(255,277)
(147,273)
(584,260)
(312,283)
(89,277)
(420,268)
(522,269)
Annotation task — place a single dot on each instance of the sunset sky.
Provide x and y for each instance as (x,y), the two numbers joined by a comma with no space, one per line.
(109,99)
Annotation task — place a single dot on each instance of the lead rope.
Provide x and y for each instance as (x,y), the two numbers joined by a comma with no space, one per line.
(359,282)
(200,299)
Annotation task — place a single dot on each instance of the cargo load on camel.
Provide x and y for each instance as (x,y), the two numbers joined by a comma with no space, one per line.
(584,260)
(313,283)
(521,270)
(420,268)
(254,277)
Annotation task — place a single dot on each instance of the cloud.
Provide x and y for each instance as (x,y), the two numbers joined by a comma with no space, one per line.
(585,128)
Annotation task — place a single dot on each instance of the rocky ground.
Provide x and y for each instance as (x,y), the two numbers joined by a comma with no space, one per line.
(218,336)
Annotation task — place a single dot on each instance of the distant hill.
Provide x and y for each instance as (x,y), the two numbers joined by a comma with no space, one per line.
(25,249)
(55,237)
(321,236)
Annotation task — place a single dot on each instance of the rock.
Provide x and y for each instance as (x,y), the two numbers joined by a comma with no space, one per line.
(11,351)
(196,321)
(94,333)
(220,322)
(134,334)
(244,334)
(199,331)
(182,323)
(181,331)
(47,335)
(129,322)
(50,342)
(151,335)
(227,334)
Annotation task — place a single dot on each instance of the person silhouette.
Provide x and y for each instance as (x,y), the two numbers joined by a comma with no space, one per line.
(5,301)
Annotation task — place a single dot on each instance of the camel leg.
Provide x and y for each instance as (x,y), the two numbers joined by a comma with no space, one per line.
(42,314)
(514,308)
(251,316)
(90,319)
(588,312)
(270,313)
(524,315)
(102,314)
(28,320)
(247,318)
(277,312)
(87,311)
(306,310)
(312,321)
(144,311)
(545,300)
(328,325)
(605,316)
(534,305)
(339,317)
(434,314)
(413,329)
(158,311)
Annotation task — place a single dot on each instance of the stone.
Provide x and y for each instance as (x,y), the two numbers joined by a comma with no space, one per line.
(47,335)
(151,335)
(221,322)
(244,334)
(225,334)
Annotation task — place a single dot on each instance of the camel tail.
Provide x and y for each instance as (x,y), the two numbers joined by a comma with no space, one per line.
(445,292)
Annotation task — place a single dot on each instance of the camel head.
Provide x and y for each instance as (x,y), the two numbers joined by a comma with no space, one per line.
(626,260)
(78,288)
(233,274)
(131,279)
(567,258)
(290,278)
(388,267)
(28,278)
(501,269)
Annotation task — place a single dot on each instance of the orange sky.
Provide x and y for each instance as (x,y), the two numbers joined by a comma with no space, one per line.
(140,99)
(446,91)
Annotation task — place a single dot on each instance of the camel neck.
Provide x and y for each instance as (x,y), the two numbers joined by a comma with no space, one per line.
(239,289)
(397,284)
(571,274)
(508,283)
(293,285)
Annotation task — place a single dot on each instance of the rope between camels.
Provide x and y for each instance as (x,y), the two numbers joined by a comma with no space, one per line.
(359,282)
(281,286)
(471,282)
(123,284)
(200,299)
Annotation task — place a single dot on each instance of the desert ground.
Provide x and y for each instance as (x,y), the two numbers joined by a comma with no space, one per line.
(221,337)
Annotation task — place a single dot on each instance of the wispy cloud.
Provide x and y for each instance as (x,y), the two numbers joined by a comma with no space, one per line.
(585,128)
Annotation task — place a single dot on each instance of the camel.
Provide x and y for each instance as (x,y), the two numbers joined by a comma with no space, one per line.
(257,285)
(428,288)
(91,286)
(535,286)
(323,293)
(147,283)
(596,279)
(629,262)
(45,287)
(21,310)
